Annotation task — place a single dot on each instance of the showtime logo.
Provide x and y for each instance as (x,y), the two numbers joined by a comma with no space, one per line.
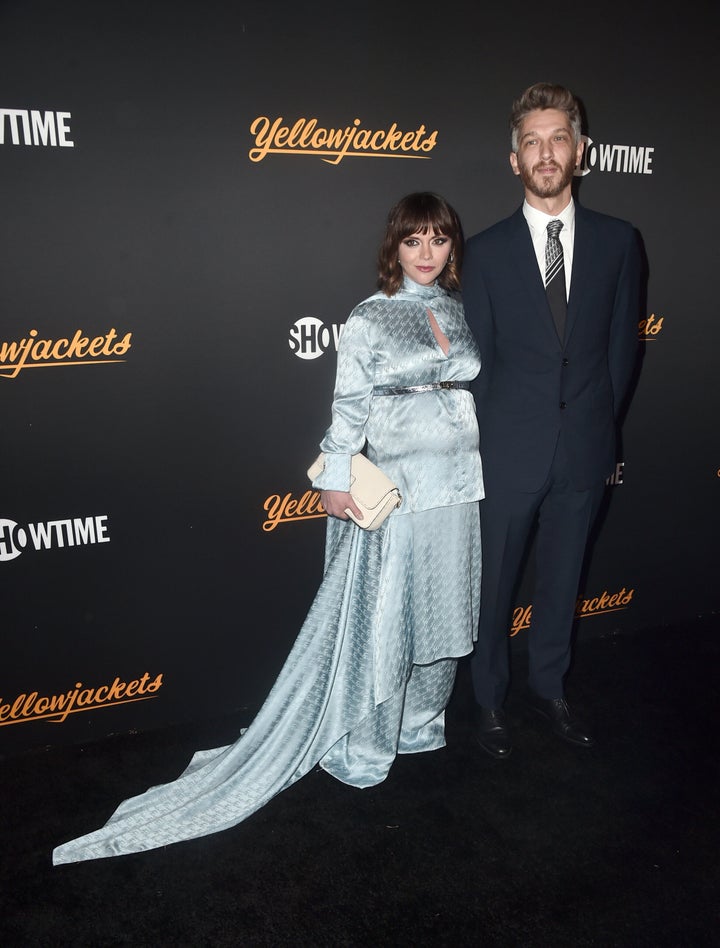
(310,337)
(618,159)
(54,534)
(617,476)
(36,128)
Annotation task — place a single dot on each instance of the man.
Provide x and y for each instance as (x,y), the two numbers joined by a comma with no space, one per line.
(555,312)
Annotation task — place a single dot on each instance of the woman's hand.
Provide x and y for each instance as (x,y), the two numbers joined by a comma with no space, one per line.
(336,502)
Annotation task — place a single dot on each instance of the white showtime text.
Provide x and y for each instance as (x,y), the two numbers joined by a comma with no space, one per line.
(35,128)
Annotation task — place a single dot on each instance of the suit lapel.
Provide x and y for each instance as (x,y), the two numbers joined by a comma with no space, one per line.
(581,263)
(529,273)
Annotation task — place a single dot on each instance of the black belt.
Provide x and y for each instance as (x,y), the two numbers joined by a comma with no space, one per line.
(414,389)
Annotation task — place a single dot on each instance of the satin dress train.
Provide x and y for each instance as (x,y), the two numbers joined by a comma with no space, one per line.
(344,699)
(373,666)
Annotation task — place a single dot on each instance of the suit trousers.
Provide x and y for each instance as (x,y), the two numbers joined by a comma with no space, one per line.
(564,517)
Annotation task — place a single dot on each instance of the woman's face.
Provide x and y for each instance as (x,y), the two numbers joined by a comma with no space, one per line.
(423,257)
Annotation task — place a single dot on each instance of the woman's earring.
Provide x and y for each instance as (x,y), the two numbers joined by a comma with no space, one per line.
(451,258)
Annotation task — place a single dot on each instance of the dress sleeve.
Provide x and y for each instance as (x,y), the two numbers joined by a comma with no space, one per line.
(351,403)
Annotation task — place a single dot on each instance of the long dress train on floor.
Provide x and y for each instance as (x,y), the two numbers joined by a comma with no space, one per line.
(372,669)
(322,708)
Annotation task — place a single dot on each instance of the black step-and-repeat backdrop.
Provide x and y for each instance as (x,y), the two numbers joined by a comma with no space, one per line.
(192,197)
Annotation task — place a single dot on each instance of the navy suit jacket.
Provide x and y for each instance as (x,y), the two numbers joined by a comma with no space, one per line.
(532,386)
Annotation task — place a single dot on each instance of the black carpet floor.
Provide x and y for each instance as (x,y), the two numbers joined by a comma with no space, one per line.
(557,846)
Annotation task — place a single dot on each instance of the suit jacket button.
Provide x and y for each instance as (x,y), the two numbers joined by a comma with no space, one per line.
(565,362)
(562,406)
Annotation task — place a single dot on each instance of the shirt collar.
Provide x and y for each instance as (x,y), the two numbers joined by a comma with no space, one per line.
(538,220)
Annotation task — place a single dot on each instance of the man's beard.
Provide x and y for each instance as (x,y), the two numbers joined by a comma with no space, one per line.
(545,187)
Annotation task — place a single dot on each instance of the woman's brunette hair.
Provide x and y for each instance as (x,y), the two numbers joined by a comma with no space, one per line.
(419,213)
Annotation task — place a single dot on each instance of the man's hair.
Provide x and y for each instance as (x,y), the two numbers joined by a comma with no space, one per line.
(419,213)
(544,95)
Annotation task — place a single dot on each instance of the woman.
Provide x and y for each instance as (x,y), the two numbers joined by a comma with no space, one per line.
(373,667)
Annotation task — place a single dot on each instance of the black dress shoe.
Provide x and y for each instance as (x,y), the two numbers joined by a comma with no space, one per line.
(493,735)
(567,727)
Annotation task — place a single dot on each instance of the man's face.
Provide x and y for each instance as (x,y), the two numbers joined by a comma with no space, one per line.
(547,156)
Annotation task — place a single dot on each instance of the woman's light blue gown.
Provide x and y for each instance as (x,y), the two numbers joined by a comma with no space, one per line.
(373,666)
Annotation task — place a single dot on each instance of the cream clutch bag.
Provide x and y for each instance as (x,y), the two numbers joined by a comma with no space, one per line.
(373,492)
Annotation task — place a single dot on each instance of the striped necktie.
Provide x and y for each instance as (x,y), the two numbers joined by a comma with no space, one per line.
(555,277)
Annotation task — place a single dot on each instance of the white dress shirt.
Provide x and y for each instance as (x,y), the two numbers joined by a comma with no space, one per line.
(538,221)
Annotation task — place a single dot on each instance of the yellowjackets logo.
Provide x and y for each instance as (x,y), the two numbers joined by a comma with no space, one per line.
(33,706)
(649,329)
(33,352)
(288,509)
(596,606)
(307,137)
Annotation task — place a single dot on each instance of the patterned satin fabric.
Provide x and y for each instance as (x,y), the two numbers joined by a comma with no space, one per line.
(426,443)
(374,663)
